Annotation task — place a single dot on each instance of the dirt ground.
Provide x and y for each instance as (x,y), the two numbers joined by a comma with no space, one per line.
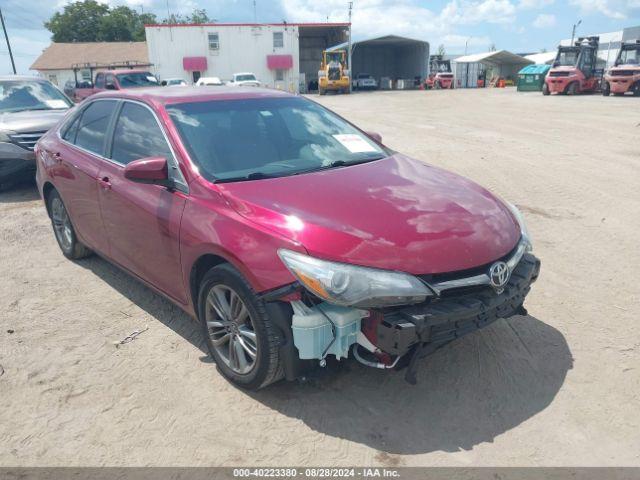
(559,387)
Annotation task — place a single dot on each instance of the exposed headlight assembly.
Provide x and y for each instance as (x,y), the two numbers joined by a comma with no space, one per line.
(353,286)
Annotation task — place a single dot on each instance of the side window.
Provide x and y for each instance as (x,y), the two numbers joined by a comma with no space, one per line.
(72,129)
(278,40)
(100,80)
(93,126)
(137,135)
(214,43)
(110,81)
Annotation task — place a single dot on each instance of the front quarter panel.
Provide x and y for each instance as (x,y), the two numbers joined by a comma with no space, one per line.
(211,226)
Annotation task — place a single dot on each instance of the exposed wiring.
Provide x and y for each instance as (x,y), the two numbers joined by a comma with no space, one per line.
(379,365)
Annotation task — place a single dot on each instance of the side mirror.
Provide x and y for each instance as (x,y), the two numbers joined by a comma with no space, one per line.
(374,136)
(152,170)
(111,86)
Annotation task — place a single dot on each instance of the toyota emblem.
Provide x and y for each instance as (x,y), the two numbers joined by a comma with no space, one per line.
(499,276)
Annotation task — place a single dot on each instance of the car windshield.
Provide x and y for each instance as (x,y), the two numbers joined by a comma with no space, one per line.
(21,95)
(630,56)
(244,78)
(137,79)
(232,140)
(567,58)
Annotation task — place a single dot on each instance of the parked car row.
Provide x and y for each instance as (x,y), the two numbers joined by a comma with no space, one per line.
(130,78)
(231,203)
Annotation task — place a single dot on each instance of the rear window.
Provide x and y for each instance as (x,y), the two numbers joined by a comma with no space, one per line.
(137,79)
(93,126)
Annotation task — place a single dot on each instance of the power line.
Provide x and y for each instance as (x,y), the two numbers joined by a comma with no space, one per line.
(6,36)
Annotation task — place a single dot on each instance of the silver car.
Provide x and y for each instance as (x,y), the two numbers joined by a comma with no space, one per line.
(28,108)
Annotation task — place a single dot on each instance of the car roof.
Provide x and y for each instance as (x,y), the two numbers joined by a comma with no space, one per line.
(22,77)
(180,94)
(124,70)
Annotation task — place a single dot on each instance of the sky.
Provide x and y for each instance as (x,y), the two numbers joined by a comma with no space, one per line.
(474,25)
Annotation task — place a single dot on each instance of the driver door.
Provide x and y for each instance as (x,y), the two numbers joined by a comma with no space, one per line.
(142,221)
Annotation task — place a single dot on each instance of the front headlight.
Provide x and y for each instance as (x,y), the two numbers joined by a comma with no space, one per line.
(353,286)
(524,231)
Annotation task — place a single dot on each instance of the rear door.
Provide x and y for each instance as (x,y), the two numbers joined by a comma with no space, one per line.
(142,221)
(79,158)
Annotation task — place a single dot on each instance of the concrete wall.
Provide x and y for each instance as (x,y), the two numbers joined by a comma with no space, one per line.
(242,49)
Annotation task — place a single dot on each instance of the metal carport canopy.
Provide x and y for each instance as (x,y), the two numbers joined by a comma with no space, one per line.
(391,40)
(389,56)
(500,57)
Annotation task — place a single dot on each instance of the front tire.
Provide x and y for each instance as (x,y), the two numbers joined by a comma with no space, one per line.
(636,89)
(572,89)
(545,90)
(606,89)
(63,229)
(239,334)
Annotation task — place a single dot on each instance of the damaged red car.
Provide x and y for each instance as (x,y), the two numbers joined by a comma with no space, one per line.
(288,233)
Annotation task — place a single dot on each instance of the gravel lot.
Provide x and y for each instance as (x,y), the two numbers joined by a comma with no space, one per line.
(559,387)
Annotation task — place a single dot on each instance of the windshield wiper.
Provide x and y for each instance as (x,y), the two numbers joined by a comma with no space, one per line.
(338,163)
(251,176)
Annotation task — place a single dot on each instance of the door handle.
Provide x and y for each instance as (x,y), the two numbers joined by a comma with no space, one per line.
(105,183)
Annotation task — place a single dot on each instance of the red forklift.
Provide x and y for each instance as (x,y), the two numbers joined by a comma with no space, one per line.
(574,70)
(440,74)
(624,76)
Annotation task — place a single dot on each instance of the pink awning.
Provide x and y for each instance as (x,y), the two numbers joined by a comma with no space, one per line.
(279,62)
(194,64)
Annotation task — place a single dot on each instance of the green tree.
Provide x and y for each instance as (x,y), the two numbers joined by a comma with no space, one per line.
(199,15)
(78,22)
(91,21)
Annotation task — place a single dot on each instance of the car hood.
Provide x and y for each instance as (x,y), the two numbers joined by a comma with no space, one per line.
(395,213)
(31,121)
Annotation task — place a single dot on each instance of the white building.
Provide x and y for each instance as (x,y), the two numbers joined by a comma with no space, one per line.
(285,56)
(609,43)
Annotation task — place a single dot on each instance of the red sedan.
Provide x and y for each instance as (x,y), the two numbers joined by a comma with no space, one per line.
(288,233)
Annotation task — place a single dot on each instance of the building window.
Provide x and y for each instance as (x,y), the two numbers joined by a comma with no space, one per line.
(279,75)
(214,43)
(278,40)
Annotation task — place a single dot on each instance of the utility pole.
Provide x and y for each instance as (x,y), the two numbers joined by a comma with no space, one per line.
(6,36)
(573,33)
(349,51)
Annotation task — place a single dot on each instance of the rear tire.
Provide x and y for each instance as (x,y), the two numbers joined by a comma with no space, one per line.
(545,90)
(63,229)
(636,89)
(606,89)
(321,91)
(239,334)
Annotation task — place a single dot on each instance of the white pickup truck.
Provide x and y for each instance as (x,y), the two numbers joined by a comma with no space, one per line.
(246,79)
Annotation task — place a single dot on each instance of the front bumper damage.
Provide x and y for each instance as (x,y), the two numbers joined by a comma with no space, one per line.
(420,330)
(409,333)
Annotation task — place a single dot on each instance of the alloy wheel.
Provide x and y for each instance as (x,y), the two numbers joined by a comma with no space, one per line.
(61,224)
(230,329)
